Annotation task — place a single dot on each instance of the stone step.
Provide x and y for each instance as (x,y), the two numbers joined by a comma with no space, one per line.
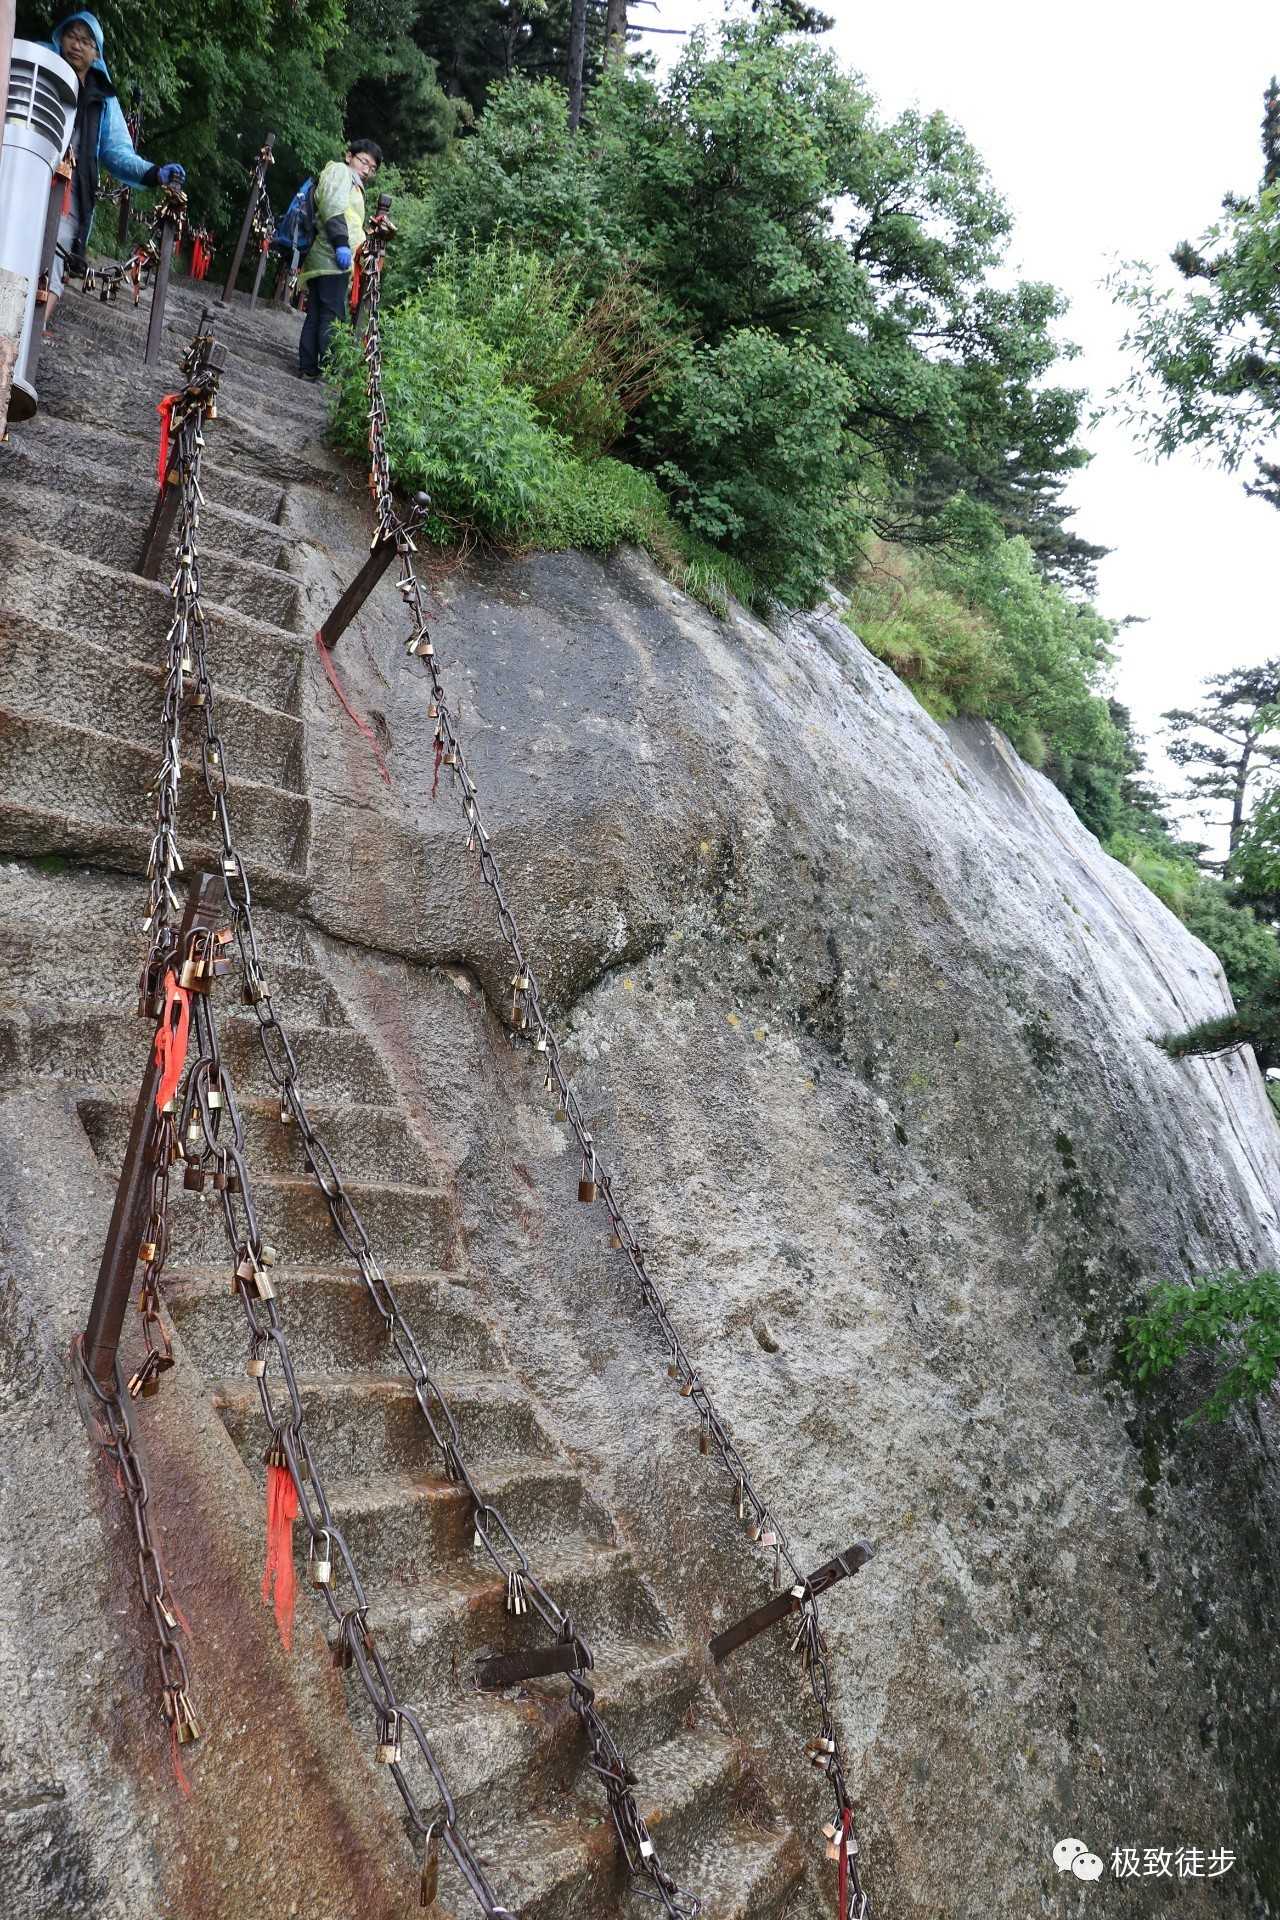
(744,1872)
(252,356)
(33,470)
(101,1046)
(130,618)
(431,1634)
(377,1424)
(408,1226)
(40,667)
(410,1523)
(130,456)
(72,790)
(510,1753)
(45,900)
(551,1867)
(253,433)
(334,1325)
(77,964)
(365,1143)
(102,533)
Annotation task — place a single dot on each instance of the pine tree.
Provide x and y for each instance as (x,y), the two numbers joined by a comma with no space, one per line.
(1271,134)
(1240,709)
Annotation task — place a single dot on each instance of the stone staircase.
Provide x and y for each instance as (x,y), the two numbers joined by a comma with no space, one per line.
(80,687)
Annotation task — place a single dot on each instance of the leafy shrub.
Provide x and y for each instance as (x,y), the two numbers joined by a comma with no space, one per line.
(1233,1318)
(750,443)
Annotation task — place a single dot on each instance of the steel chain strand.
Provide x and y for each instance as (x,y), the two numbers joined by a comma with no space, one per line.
(508,1556)
(286,1424)
(221,1139)
(164,863)
(763,1525)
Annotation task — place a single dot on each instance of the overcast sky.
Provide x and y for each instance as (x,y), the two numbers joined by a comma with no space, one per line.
(1113,131)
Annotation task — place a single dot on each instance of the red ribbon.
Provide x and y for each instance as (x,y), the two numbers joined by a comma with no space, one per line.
(165,410)
(356,277)
(362,725)
(172,1035)
(282,1511)
(846,1827)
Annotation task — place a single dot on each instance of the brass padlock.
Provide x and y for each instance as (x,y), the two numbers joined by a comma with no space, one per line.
(687,1386)
(147,1252)
(320,1560)
(256,1365)
(587,1182)
(214,1096)
(193,1177)
(388,1739)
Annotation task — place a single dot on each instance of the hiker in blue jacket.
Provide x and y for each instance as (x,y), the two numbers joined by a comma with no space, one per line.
(100,138)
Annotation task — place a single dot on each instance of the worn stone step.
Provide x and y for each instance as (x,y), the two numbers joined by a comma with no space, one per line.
(104,1046)
(253,356)
(254,433)
(127,455)
(47,899)
(334,1326)
(563,1867)
(73,790)
(76,963)
(408,1226)
(510,1753)
(365,1143)
(412,1522)
(432,1634)
(130,618)
(744,1872)
(126,699)
(377,1426)
(41,478)
(228,577)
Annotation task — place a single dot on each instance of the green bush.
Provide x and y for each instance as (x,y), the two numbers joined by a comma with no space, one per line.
(756,458)
(463,430)
(1233,1318)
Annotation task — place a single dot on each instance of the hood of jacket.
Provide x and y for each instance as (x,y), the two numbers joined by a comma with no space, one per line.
(90,21)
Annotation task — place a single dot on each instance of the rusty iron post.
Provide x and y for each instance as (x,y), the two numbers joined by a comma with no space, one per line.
(839,1568)
(258,272)
(172,206)
(260,166)
(155,547)
(381,554)
(206,904)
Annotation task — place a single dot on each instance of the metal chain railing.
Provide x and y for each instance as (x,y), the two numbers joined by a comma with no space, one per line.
(529,1022)
(207,1132)
(188,672)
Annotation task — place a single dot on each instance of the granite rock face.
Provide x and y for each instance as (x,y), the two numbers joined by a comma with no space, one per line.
(864,1022)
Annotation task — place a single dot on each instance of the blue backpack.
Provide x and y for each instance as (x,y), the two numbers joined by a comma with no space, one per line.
(296,227)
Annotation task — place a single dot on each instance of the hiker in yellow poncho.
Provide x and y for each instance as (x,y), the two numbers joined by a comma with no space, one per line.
(339,205)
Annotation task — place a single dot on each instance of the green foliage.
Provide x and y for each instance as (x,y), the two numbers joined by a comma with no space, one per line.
(1232,1318)
(758,194)
(1207,371)
(758,460)
(466,425)
(983,632)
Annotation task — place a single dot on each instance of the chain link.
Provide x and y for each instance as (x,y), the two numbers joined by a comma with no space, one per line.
(530,1025)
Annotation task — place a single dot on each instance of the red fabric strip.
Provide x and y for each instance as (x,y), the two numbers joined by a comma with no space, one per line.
(282,1511)
(165,410)
(361,725)
(172,1036)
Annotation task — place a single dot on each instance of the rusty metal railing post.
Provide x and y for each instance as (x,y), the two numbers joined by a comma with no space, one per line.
(381,554)
(155,546)
(171,208)
(260,166)
(206,903)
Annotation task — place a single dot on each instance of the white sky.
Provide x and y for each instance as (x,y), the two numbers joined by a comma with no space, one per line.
(1112,130)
